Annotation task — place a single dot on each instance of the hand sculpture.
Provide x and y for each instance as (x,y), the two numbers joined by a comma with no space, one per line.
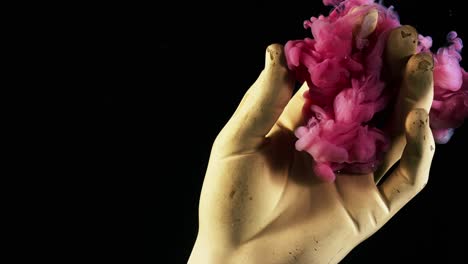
(260,201)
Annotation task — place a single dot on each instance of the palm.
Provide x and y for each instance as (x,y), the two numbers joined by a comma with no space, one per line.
(304,196)
(281,205)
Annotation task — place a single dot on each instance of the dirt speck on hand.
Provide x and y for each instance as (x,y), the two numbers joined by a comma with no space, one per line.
(231,195)
(405,34)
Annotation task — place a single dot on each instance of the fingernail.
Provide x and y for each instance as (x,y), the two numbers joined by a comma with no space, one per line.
(369,23)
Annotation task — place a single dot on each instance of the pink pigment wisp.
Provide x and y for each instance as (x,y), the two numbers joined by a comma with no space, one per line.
(346,91)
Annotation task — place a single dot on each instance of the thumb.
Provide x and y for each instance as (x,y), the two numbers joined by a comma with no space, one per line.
(262,104)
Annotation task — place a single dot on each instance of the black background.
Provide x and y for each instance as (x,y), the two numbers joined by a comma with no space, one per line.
(206,56)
